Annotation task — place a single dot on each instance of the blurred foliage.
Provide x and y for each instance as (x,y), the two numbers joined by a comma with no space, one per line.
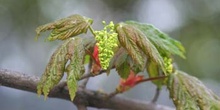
(202,42)
(201,36)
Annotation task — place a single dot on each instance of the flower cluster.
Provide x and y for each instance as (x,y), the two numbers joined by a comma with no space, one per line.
(106,41)
(168,64)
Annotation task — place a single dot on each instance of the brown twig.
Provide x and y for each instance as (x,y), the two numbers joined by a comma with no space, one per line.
(113,94)
(91,75)
(141,81)
(90,98)
(156,96)
(151,79)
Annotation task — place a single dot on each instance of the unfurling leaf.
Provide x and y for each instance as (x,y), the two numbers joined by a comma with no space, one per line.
(188,93)
(120,62)
(65,28)
(165,44)
(54,70)
(117,59)
(137,45)
(123,64)
(76,67)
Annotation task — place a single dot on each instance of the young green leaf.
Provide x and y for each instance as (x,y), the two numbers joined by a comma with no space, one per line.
(162,42)
(123,70)
(65,28)
(122,65)
(188,93)
(116,58)
(54,70)
(154,70)
(119,61)
(76,67)
(137,45)
(120,57)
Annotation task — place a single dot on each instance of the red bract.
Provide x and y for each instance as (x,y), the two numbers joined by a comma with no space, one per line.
(96,55)
(96,66)
(130,82)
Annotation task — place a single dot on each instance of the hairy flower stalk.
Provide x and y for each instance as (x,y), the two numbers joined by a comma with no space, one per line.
(106,41)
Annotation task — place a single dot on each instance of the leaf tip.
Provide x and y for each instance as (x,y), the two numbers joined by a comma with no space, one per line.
(72,97)
(45,98)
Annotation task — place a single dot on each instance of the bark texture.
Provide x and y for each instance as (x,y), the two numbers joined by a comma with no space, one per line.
(83,97)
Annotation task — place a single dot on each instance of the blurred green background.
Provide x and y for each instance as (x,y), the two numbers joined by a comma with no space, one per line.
(196,23)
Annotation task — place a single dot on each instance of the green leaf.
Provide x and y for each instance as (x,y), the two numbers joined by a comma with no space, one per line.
(76,67)
(137,45)
(119,57)
(123,70)
(87,59)
(162,42)
(188,93)
(127,38)
(54,70)
(154,70)
(115,58)
(121,63)
(65,28)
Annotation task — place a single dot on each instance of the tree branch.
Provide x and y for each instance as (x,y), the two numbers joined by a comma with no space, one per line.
(86,97)
(91,75)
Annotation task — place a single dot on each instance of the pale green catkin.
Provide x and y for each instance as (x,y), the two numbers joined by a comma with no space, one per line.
(106,41)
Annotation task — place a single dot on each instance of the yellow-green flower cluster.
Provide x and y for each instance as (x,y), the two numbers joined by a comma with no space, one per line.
(168,64)
(107,41)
